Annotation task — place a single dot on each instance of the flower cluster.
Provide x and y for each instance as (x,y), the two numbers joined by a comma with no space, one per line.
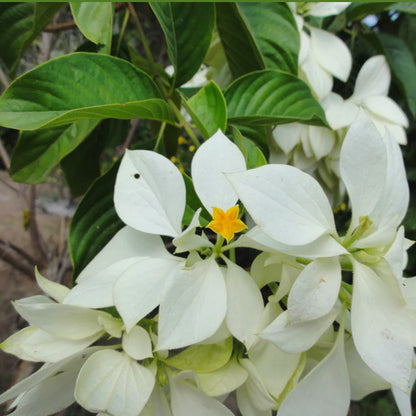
(321,317)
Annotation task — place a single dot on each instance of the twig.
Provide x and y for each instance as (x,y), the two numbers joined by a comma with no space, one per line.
(17,257)
(3,78)
(134,124)
(60,27)
(36,239)
(4,155)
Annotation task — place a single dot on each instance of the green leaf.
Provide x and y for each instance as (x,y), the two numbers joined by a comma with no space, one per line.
(357,11)
(253,155)
(20,24)
(401,62)
(203,358)
(208,110)
(95,221)
(82,166)
(407,32)
(95,21)
(242,52)
(79,86)
(275,32)
(272,97)
(188,30)
(193,203)
(38,152)
(405,7)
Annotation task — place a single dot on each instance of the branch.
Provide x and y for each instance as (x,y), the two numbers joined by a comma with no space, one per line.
(17,257)
(134,124)
(36,239)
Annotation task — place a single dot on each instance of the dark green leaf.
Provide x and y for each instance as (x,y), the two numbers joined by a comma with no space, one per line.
(193,203)
(95,221)
(95,21)
(79,86)
(357,11)
(208,110)
(272,97)
(406,7)
(407,32)
(188,30)
(20,24)
(242,53)
(38,152)
(275,32)
(170,140)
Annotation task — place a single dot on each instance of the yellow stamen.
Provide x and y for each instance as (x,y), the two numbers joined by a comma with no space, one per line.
(226,223)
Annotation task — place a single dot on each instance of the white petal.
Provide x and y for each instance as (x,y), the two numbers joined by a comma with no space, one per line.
(73,362)
(244,304)
(139,289)
(325,246)
(218,155)
(125,244)
(403,400)
(396,256)
(112,382)
(373,79)
(386,108)
(322,141)
(325,391)
(395,131)
(323,9)
(96,291)
(188,240)
(186,400)
(379,318)
(315,291)
(54,290)
(319,80)
(363,167)
(297,337)
(331,53)
(224,380)
(66,321)
(288,204)
(274,366)
(304,45)
(49,397)
(154,202)
(338,112)
(363,380)
(137,343)
(33,344)
(287,136)
(193,305)
(246,406)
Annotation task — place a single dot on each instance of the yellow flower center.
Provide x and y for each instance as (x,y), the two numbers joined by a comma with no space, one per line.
(226,223)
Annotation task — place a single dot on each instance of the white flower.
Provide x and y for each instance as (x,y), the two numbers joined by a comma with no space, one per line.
(370,93)
(294,216)
(135,272)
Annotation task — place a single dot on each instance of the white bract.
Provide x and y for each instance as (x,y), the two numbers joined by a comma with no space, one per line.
(136,273)
(291,211)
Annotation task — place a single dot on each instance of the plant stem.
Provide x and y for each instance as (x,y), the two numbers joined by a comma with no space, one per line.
(183,122)
(159,136)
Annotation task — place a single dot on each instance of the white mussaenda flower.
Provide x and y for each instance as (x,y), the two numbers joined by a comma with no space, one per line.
(322,54)
(99,378)
(294,216)
(370,94)
(135,272)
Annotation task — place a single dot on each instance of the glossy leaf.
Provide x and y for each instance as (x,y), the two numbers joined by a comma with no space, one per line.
(94,20)
(253,155)
(95,221)
(37,152)
(275,32)
(239,45)
(208,110)
(20,24)
(70,88)
(272,97)
(188,30)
